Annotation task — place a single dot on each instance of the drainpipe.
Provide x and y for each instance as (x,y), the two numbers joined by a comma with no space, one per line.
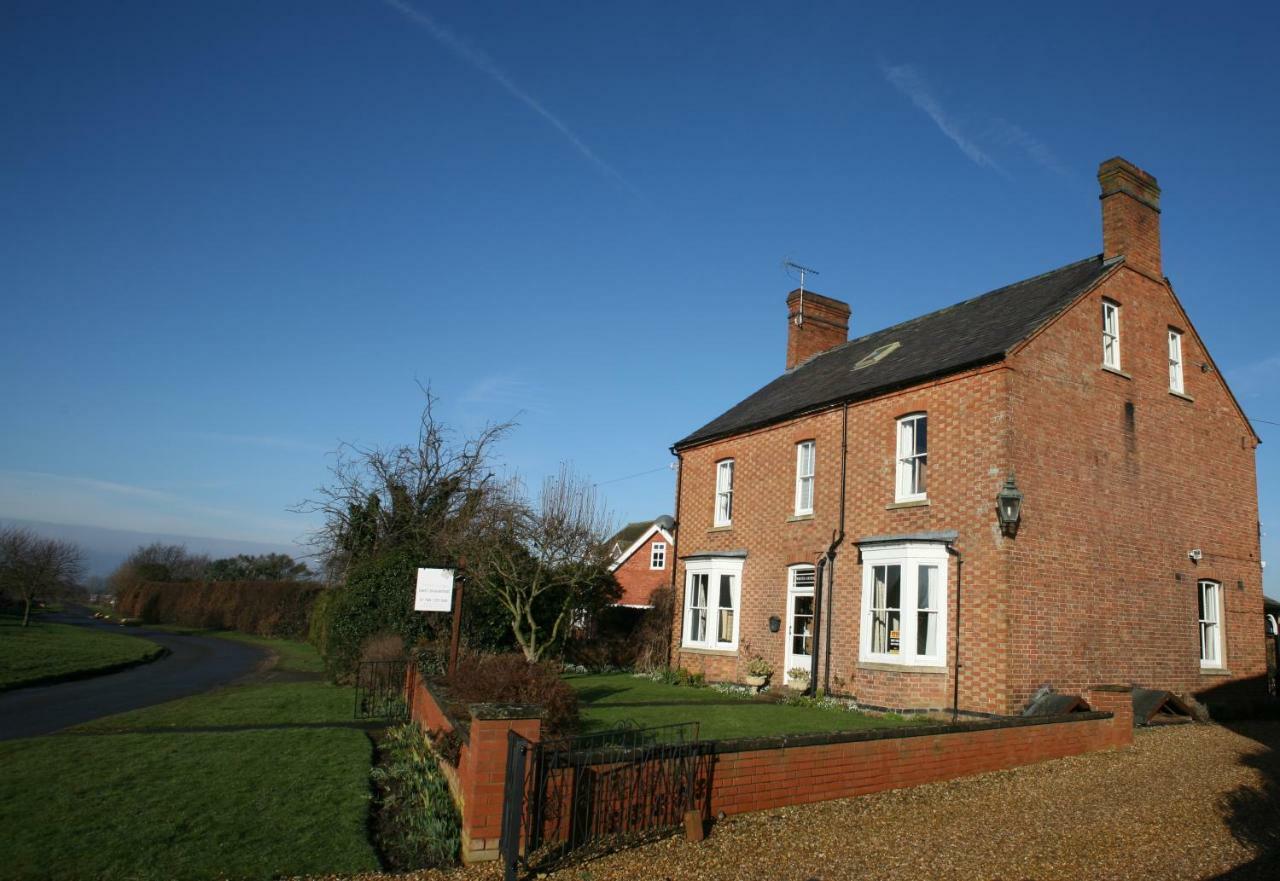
(677,609)
(955,694)
(835,545)
(827,563)
(812,691)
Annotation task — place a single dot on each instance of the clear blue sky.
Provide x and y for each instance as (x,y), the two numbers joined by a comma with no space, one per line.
(232,234)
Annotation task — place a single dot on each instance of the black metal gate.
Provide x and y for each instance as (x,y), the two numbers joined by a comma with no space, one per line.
(380,690)
(579,796)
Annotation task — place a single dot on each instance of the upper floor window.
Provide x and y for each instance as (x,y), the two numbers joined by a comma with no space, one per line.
(1111,334)
(904,597)
(1175,361)
(711,603)
(913,457)
(804,477)
(1210,596)
(658,555)
(724,493)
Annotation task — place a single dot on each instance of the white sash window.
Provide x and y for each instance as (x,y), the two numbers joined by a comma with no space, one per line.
(804,477)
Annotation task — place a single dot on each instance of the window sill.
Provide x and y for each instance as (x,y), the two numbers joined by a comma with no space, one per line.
(726,528)
(908,503)
(798,518)
(926,669)
(1117,371)
(700,650)
(1183,395)
(1214,671)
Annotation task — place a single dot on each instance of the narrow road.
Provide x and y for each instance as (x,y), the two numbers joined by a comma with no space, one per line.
(194,664)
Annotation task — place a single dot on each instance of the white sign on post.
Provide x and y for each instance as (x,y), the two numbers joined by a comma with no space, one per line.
(435,591)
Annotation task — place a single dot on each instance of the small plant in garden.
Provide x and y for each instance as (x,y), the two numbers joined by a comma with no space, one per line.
(798,678)
(416,824)
(758,666)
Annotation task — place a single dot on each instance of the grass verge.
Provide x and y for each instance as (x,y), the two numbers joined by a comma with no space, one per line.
(605,700)
(44,652)
(123,798)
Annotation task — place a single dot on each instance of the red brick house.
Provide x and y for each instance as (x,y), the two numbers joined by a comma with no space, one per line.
(642,560)
(844,518)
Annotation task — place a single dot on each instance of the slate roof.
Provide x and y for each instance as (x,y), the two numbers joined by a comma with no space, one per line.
(972,332)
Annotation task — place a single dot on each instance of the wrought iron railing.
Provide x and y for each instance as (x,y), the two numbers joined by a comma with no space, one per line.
(380,690)
(578,796)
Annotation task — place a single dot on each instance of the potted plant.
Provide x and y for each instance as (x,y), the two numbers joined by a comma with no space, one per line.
(758,672)
(798,678)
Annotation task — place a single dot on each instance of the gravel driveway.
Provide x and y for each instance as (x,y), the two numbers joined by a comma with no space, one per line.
(1189,801)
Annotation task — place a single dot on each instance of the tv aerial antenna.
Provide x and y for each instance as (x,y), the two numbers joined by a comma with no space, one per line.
(790,266)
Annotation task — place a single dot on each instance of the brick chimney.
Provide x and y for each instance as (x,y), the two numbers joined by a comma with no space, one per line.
(1130,216)
(814,324)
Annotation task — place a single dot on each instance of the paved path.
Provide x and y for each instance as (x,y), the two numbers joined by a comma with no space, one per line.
(194,664)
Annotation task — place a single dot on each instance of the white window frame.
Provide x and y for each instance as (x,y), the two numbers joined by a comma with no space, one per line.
(1111,334)
(910,556)
(1210,627)
(907,457)
(658,555)
(714,568)
(724,493)
(1175,362)
(806,465)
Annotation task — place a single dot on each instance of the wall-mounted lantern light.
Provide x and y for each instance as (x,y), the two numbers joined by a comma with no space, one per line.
(1009,507)
(775,623)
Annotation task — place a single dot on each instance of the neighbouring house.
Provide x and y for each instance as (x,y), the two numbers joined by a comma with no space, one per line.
(642,560)
(1049,484)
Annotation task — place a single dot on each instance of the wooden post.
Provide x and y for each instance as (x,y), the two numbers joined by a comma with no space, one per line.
(457,627)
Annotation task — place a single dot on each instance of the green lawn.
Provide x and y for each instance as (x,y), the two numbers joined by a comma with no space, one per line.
(609,699)
(110,801)
(43,651)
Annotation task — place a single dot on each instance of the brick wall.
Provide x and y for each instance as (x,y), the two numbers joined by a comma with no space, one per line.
(637,579)
(760,779)
(968,456)
(1101,586)
(477,782)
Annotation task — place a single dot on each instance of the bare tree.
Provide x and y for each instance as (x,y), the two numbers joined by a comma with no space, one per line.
(424,495)
(544,561)
(32,567)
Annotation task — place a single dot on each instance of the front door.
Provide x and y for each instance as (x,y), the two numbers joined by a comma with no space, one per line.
(799,632)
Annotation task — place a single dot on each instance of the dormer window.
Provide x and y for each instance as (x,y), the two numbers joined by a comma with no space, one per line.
(724,493)
(1111,334)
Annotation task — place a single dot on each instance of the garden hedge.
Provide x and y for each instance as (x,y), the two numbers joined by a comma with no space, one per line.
(263,608)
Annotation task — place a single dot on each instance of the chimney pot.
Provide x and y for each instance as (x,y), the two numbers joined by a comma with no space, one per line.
(1130,216)
(815,324)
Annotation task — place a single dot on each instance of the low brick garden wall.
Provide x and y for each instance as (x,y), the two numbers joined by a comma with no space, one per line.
(764,773)
(478,779)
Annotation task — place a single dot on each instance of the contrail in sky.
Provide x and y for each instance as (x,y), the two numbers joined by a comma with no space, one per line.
(483,63)
(909,81)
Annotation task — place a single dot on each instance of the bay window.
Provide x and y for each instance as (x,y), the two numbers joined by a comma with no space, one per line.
(712,597)
(904,596)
